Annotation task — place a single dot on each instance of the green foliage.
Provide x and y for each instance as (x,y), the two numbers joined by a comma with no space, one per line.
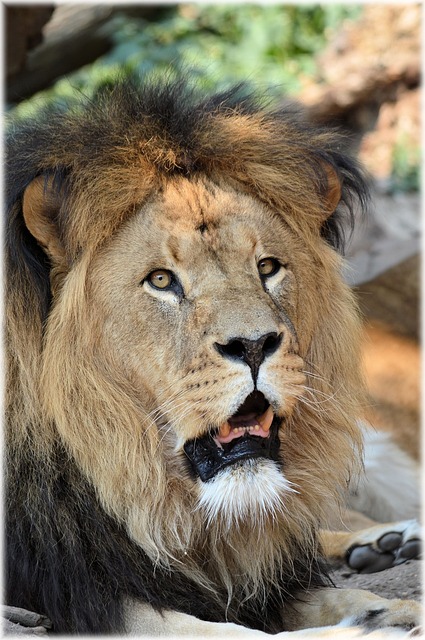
(267,45)
(406,166)
(221,44)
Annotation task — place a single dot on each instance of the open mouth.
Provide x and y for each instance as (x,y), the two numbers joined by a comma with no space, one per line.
(252,432)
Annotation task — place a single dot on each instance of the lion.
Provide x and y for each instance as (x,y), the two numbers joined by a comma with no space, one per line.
(183,369)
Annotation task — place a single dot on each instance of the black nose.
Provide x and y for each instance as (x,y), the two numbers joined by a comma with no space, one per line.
(253,352)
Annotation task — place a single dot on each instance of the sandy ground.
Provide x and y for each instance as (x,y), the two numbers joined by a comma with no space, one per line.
(403,581)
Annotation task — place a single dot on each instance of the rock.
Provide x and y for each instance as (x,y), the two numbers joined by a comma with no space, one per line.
(402,581)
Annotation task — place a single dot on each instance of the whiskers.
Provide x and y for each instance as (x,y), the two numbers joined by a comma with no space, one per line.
(320,396)
(170,415)
(319,401)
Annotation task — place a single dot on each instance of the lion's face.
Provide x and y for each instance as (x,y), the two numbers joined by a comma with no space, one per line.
(205,303)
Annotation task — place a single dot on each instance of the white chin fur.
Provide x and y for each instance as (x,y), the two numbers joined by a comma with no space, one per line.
(251,490)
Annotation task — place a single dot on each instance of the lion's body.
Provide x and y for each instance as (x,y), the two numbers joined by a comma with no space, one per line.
(110,376)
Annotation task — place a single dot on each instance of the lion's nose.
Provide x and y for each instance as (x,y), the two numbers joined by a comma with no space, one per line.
(252,352)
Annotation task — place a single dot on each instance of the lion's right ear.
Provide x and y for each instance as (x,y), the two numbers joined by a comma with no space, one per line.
(40,206)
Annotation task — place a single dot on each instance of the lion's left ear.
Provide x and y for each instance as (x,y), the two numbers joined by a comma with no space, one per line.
(332,191)
(40,206)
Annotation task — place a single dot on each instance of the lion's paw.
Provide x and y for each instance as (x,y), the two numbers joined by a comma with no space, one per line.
(402,614)
(385,546)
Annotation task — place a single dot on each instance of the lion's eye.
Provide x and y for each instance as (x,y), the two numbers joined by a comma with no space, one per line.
(160,279)
(268,267)
(164,280)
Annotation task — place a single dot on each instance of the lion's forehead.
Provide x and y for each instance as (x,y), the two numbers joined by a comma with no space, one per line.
(193,220)
(185,206)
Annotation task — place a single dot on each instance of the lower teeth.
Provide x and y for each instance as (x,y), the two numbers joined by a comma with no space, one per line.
(252,428)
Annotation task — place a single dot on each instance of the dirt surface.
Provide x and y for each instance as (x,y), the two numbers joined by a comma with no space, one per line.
(403,581)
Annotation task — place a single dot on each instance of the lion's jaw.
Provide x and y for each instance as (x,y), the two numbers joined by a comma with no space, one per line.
(248,493)
(239,471)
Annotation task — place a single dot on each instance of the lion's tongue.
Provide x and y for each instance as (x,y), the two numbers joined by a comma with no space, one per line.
(245,424)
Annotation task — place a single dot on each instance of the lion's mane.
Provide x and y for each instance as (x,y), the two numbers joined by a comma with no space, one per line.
(92,515)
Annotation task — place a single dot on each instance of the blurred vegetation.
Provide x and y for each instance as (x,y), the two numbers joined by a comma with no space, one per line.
(406,164)
(266,45)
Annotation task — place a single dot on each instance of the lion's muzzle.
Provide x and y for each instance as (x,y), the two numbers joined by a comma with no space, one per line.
(251,433)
